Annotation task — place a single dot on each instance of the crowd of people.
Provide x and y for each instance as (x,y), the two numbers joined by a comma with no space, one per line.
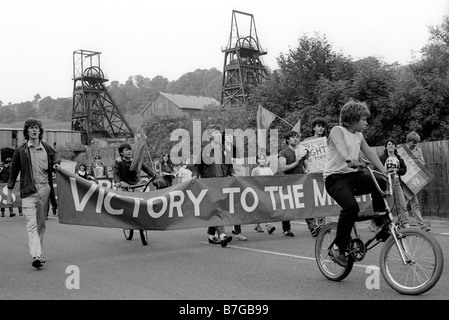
(35,163)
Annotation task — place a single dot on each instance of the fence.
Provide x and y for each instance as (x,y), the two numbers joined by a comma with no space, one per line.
(434,198)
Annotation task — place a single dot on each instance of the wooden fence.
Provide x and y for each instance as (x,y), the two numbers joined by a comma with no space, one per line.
(434,198)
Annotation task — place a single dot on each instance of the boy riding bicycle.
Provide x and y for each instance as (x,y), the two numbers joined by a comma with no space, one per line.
(342,179)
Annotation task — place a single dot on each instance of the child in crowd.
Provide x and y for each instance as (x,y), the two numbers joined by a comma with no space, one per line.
(262,170)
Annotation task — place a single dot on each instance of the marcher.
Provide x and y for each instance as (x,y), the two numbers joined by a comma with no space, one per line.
(99,170)
(167,169)
(319,130)
(230,152)
(122,175)
(4,177)
(184,173)
(393,162)
(213,168)
(341,178)
(293,162)
(412,141)
(35,161)
(262,169)
(82,172)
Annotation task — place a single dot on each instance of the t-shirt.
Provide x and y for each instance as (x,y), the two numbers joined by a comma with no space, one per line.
(290,156)
(335,163)
(262,171)
(185,174)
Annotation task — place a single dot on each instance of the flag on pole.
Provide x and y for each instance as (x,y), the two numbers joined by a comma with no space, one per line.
(137,161)
(264,119)
(297,126)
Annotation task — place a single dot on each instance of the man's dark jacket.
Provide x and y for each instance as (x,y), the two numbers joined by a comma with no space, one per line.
(21,162)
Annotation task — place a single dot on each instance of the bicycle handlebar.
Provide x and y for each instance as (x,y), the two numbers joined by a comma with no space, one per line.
(139,185)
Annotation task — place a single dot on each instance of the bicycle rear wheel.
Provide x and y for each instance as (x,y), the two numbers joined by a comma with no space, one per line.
(424,262)
(128,234)
(327,266)
(144,237)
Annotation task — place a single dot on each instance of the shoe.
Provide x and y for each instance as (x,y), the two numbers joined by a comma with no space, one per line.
(241,237)
(12,214)
(258,228)
(37,263)
(314,232)
(43,260)
(338,257)
(271,229)
(288,233)
(214,240)
(3,215)
(425,228)
(224,242)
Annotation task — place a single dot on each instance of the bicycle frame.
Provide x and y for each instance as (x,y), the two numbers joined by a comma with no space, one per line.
(392,226)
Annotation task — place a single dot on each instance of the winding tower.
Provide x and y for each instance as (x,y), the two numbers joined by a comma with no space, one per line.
(94,113)
(243,67)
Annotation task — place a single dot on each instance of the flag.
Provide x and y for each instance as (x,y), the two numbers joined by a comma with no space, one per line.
(264,119)
(136,164)
(297,126)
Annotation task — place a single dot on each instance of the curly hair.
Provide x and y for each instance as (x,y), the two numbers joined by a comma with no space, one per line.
(32,122)
(322,122)
(413,136)
(352,112)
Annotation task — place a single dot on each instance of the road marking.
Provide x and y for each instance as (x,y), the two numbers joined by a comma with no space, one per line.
(285,254)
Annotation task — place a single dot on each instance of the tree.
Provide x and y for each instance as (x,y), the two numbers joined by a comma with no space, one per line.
(7,115)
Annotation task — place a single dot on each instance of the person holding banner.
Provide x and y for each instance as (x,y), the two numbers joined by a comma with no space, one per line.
(319,130)
(393,162)
(123,176)
(341,177)
(262,170)
(230,152)
(35,161)
(212,165)
(412,141)
(292,162)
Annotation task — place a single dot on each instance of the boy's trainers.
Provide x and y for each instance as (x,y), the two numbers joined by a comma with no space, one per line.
(288,233)
(271,229)
(37,263)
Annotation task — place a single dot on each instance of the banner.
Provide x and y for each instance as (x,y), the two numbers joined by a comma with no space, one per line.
(317,153)
(17,201)
(206,202)
(417,175)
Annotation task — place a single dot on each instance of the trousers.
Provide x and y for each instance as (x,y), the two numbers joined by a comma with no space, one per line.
(343,188)
(35,208)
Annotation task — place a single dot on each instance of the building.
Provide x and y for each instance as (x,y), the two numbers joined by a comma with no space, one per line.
(10,138)
(175,104)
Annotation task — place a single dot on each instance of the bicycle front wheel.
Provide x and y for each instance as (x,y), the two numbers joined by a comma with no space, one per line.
(327,266)
(424,262)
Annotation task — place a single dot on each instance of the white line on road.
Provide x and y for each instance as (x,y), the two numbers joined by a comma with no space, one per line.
(285,254)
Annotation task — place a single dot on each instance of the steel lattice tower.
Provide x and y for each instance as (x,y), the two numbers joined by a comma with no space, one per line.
(243,67)
(94,112)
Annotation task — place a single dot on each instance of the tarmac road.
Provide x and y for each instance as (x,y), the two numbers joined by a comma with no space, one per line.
(181,265)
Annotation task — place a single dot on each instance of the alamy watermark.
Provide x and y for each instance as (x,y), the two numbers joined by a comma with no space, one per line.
(216,138)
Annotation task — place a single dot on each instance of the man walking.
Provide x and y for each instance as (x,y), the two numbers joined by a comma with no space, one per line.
(35,161)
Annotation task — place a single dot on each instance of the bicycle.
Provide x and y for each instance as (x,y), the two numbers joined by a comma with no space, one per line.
(129,233)
(411,260)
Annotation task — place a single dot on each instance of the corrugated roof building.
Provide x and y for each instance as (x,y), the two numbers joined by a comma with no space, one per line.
(175,104)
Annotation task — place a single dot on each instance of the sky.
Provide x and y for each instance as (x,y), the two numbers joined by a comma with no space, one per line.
(174,37)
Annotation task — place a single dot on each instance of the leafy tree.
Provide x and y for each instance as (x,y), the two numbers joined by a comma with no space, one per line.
(7,115)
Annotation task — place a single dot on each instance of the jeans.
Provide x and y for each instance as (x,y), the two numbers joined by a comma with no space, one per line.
(211,230)
(343,188)
(399,201)
(416,211)
(35,209)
